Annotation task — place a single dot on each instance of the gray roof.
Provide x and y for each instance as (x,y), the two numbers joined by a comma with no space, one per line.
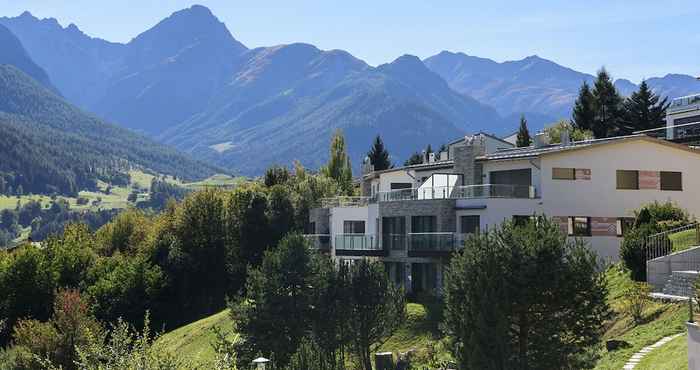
(531,151)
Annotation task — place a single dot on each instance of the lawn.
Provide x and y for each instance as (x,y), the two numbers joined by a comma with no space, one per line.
(193,341)
(219,180)
(683,240)
(661,320)
(671,356)
(419,332)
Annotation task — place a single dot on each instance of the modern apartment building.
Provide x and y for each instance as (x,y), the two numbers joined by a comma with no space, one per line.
(412,218)
(683,119)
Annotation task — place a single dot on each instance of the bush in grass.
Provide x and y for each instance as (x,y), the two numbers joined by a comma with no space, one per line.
(651,219)
(636,300)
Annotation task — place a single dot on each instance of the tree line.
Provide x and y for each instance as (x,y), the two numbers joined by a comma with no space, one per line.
(600,112)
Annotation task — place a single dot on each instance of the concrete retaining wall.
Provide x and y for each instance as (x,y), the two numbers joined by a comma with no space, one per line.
(659,269)
(693,346)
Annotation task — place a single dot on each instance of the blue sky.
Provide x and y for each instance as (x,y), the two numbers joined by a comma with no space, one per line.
(633,39)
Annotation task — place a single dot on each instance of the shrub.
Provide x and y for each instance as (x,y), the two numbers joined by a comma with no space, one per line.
(651,219)
(636,300)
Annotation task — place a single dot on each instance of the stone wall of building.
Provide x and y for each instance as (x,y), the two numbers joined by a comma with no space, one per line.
(443,209)
(465,161)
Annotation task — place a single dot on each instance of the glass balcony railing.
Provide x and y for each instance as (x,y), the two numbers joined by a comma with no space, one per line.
(684,102)
(319,241)
(460,192)
(394,242)
(432,242)
(344,202)
(356,242)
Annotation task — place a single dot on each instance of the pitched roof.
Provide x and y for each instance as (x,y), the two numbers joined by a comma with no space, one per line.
(530,152)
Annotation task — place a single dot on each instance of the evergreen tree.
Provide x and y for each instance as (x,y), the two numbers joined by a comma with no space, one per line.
(608,106)
(504,288)
(338,167)
(273,316)
(644,110)
(378,155)
(523,133)
(415,158)
(584,109)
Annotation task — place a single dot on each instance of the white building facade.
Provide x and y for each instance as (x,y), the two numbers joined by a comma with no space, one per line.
(413,218)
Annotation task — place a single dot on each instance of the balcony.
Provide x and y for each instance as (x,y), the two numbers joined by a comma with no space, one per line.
(460,192)
(684,103)
(431,244)
(344,202)
(357,245)
(322,242)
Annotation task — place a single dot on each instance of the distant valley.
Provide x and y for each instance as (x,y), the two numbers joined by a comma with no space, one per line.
(187,82)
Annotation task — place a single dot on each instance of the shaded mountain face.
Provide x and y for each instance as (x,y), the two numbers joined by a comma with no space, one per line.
(155,81)
(285,102)
(13,53)
(78,65)
(50,146)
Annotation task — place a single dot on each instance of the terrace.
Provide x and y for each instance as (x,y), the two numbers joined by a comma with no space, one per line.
(684,103)
(460,192)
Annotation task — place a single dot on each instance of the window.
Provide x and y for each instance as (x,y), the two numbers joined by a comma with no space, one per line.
(311,228)
(423,224)
(579,226)
(627,180)
(671,181)
(563,174)
(469,224)
(624,224)
(401,185)
(353,227)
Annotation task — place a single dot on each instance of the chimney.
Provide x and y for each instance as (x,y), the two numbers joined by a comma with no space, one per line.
(565,137)
(431,158)
(540,140)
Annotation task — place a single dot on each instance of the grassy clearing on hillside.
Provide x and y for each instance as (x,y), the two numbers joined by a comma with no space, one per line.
(671,356)
(194,341)
(683,240)
(420,331)
(219,180)
(662,319)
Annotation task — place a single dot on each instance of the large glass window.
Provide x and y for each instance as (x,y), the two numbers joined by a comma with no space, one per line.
(400,185)
(394,233)
(627,180)
(423,224)
(353,227)
(672,181)
(470,224)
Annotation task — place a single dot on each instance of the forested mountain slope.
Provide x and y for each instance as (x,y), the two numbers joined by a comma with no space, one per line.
(48,145)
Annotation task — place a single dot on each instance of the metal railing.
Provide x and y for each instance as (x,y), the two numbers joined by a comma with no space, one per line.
(459,192)
(344,202)
(684,102)
(674,240)
(319,241)
(432,241)
(675,132)
(356,242)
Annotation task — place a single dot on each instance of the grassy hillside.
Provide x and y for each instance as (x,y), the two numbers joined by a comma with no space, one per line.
(193,341)
(662,319)
(419,333)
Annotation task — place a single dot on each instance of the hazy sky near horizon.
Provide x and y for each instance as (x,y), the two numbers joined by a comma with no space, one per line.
(632,39)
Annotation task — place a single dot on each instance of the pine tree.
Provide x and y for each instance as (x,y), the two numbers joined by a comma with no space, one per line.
(584,109)
(338,167)
(378,155)
(644,110)
(415,158)
(523,133)
(608,106)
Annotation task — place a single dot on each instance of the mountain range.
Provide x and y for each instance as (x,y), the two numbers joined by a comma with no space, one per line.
(189,83)
(49,146)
